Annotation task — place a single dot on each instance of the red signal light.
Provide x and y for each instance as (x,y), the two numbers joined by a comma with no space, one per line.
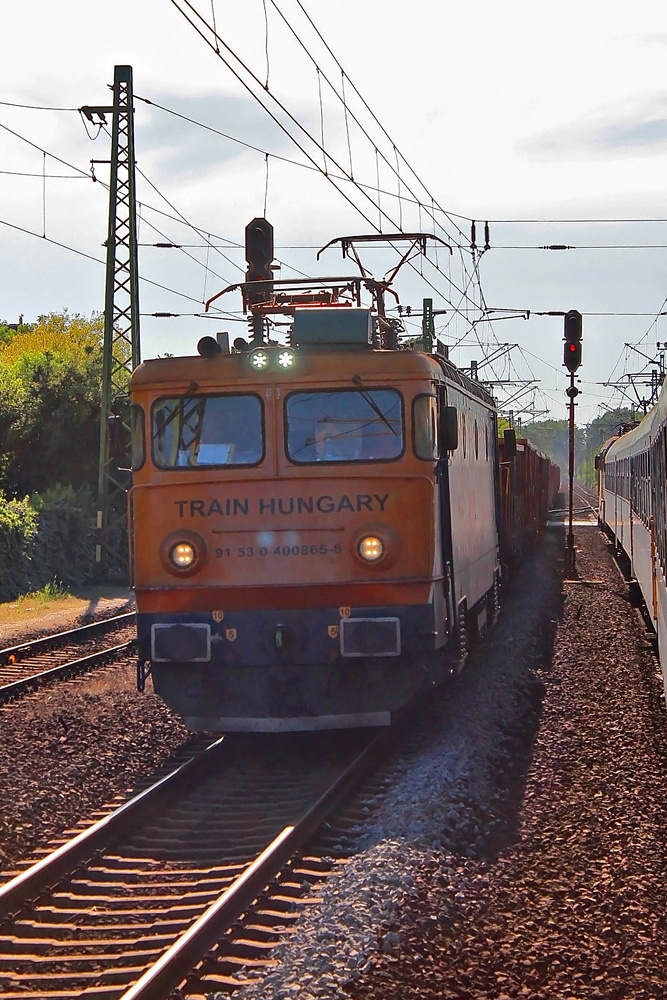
(572,335)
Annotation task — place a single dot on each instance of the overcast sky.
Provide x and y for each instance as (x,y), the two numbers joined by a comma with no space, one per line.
(549,119)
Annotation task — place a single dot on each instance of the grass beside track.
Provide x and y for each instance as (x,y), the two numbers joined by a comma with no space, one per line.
(81,604)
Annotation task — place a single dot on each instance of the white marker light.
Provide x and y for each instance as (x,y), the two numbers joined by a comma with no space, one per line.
(259,359)
(286,359)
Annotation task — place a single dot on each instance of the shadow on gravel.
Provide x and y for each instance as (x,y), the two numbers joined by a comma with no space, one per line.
(455,777)
(99,599)
(538,585)
(502,820)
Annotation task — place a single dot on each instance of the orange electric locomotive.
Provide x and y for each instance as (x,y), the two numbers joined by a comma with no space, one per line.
(314,523)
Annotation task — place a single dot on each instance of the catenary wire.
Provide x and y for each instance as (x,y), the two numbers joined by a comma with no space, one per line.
(34,107)
(277,121)
(34,145)
(85,175)
(312,167)
(97,260)
(291,117)
(24,173)
(187,223)
(341,97)
(373,115)
(315,166)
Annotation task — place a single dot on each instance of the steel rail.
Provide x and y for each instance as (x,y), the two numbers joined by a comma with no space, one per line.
(72,667)
(34,881)
(174,964)
(33,646)
(587,497)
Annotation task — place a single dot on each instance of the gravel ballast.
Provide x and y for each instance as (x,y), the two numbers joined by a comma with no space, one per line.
(523,853)
(75,747)
(520,852)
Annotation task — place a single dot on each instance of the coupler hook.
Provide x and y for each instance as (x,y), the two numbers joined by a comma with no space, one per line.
(143,672)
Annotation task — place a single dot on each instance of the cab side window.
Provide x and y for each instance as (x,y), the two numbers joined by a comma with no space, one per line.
(425,427)
(138,443)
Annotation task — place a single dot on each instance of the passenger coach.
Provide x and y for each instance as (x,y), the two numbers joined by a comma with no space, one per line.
(632,473)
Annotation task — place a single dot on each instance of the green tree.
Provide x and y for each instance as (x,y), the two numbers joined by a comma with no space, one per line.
(597,432)
(9,330)
(606,426)
(552,438)
(50,389)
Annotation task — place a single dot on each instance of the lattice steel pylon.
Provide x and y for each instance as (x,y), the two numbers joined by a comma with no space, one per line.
(121,329)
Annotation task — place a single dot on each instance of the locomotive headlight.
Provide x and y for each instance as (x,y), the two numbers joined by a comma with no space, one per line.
(376,547)
(371,548)
(182,555)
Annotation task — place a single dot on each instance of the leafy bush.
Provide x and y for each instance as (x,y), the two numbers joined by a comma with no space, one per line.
(50,397)
(63,548)
(46,540)
(18,528)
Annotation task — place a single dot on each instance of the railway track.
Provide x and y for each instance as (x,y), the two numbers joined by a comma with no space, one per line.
(128,906)
(28,665)
(584,506)
(585,502)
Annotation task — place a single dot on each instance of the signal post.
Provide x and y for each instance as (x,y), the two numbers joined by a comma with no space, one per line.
(571,359)
(259,257)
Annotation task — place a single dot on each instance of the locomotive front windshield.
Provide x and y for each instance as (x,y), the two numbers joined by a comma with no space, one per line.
(361,425)
(207,430)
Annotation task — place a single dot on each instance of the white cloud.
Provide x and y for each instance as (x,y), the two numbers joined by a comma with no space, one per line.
(517,109)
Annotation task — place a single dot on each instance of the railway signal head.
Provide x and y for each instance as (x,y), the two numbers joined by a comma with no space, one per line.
(572,334)
(259,254)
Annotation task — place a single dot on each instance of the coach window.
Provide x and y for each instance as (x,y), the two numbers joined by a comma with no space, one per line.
(425,427)
(360,425)
(208,431)
(138,438)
